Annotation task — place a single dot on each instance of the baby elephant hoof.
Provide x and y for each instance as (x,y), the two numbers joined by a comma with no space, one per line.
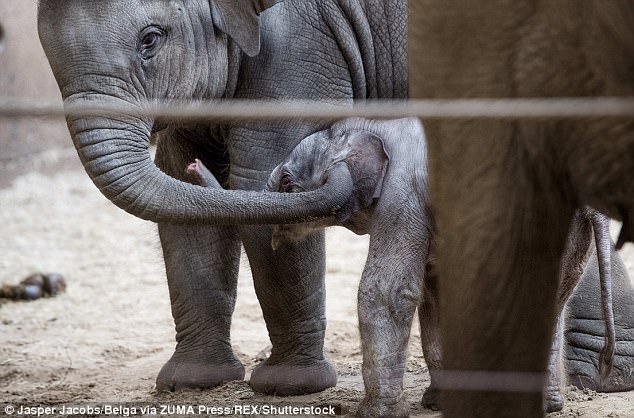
(289,379)
(431,399)
(372,407)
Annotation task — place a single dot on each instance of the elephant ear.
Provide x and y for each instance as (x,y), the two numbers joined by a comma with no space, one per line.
(367,160)
(240,19)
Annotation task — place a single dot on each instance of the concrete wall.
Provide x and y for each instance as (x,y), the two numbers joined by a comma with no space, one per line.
(24,72)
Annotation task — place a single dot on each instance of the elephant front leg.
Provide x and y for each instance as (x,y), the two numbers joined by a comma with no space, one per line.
(202,264)
(289,283)
(389,292)
(202,268)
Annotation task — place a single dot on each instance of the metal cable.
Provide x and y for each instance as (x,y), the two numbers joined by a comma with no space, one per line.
(234,110)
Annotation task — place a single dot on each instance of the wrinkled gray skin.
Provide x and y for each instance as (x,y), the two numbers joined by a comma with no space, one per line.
(129,51)
(505,191)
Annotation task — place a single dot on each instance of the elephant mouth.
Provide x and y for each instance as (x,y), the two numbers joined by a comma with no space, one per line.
(287,234)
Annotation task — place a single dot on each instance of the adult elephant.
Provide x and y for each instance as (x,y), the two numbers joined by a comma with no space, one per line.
(504,191)
(130,51)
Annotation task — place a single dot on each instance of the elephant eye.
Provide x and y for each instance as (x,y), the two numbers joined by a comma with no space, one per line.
(151,40)
(288,184)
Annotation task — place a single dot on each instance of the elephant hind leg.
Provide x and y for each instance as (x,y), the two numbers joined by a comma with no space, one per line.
(202,269)
(574,260)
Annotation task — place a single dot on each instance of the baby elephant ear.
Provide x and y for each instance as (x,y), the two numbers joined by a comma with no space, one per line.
(240,19)
(367,161)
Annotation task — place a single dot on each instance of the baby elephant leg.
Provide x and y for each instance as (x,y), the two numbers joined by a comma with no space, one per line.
(389,292)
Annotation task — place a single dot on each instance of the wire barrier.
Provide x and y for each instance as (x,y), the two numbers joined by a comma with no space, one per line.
(235,110)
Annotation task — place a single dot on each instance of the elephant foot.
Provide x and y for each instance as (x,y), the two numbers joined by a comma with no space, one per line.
(182,373)
(553,401)
(431,399)
(285,379)
(585,375)
(374,407)
(621,380)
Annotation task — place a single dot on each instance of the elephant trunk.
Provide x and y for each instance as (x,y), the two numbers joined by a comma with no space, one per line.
(115,154)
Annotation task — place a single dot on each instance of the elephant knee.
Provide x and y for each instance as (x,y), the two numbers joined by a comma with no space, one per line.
(395,299)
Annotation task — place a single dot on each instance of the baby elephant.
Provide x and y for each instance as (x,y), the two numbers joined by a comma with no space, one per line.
(388,163)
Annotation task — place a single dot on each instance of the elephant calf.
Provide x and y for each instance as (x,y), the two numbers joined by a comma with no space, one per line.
(387,161)
(388,164)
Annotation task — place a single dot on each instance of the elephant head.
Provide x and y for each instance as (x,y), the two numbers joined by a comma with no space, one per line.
(306,169)
(129,52)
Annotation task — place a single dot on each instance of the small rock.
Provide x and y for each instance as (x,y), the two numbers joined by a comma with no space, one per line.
(34,287)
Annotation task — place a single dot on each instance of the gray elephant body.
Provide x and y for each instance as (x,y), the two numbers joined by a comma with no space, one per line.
(122,51)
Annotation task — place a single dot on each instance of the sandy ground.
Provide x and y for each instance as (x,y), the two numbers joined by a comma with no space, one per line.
(105,339)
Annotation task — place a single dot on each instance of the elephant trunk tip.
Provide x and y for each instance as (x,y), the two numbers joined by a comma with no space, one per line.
(202,175)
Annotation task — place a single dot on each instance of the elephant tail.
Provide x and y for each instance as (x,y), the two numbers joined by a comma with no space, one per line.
(600,225)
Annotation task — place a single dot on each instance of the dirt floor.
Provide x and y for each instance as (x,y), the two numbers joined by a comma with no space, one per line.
(104,340)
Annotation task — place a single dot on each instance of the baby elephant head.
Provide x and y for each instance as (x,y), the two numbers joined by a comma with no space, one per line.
(312,161)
